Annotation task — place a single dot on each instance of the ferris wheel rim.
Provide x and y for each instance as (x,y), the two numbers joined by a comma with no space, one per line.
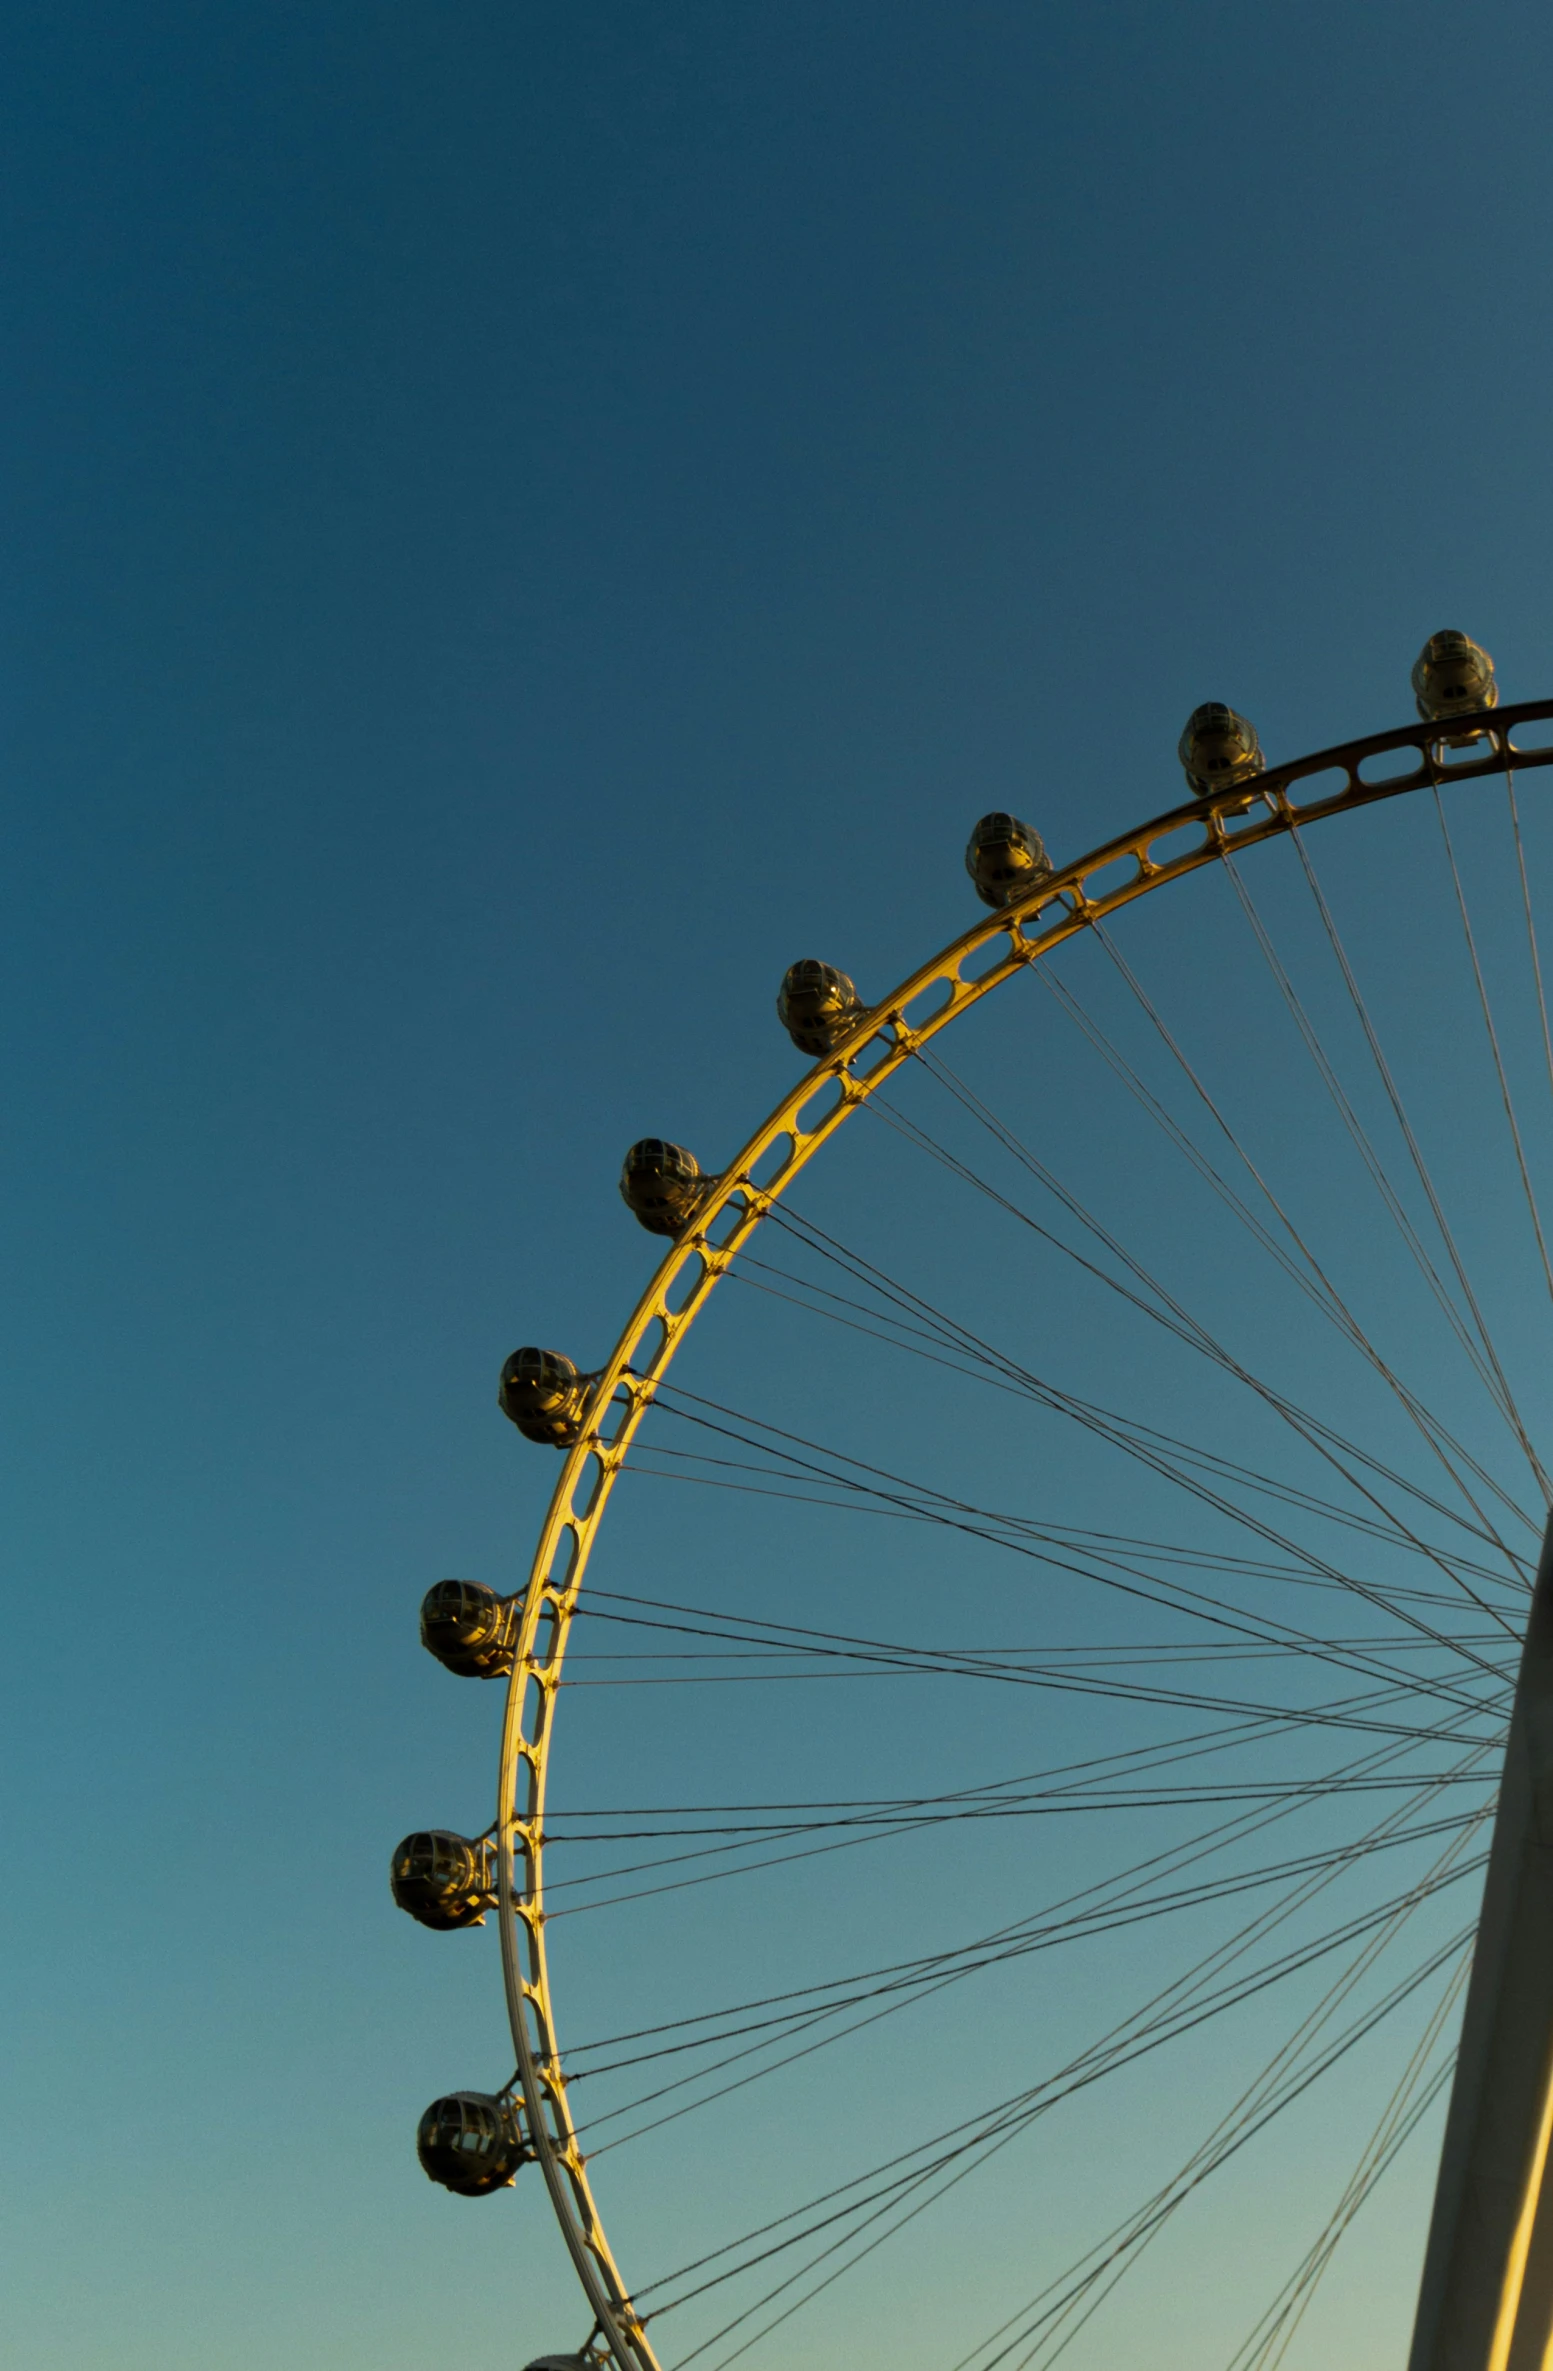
(1246,814)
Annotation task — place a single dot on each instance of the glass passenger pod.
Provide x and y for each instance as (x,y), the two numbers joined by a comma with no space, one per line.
(471,2142)
(1004,858)
(443,1881)
(466,1626)
(1454,676)
(817,1005)
(1219,749)
(561,2363)
(544,1396)
(662,1185)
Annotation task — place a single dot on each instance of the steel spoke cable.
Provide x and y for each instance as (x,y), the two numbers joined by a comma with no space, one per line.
(882,1829)
(1042,1931)
(1120,2251)
(1493,1042)
(923,1977)
(1136,2037)
(1092,1541)
(1122,2247)
(1531,927)
(1097,1543)
(911,1660)
(1423,1414)
(1184,1990)
(1058,1800)
(1209,1843)
(1311,1278)
(753,1868)
(1371,1159)
(1064,1679)
(1329,1077)
(1129,1433)
(1394,1098)
(1357,2033)
(1173,1316)
(1120,1886)
(880,1826)
(1080,1928)
(1220,1616)
(1415,2117)
(1107,1656)
(1205,1744)
(1179,1596)
(1270,2337)
(1137,2231)
(1399,1112)
(1004,1374)
(792,1637)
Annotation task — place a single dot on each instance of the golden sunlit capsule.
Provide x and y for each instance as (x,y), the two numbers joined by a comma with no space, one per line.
(1453,676)
(467,1626)
(471,2142)
(544,1396)
(443,1881)
(1004,858)
(817,1005)
(663,1185)
(1218,749)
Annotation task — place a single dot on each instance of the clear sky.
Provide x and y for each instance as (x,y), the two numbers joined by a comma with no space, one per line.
(521,521)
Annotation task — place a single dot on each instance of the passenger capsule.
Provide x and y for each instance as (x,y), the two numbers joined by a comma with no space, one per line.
(1453,676)
(1218,749)
(471,2143)
(544,1396)
(817,1005)
(443,1881)
(663,1185)
(468,1628)
(1005,858)
(560,2363)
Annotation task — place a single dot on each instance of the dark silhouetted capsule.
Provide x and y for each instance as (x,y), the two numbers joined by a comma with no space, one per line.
(443,1880)
(663,1185)
(468,1628)
(560,2363)
(544,1395)
(1218,749)
(1005,858)
(471,2143)
(817,1005)
(1452,676)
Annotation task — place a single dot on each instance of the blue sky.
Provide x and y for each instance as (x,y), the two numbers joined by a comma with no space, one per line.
(521,522)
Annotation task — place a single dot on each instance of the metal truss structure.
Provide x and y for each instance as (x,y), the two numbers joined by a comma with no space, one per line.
(1285,798)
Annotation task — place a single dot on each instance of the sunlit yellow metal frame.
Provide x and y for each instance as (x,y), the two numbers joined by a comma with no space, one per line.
(1308,790)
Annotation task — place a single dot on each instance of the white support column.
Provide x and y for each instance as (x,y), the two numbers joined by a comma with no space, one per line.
(1486,2300)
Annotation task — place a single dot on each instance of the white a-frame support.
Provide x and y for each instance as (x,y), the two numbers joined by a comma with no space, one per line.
(1486,2301)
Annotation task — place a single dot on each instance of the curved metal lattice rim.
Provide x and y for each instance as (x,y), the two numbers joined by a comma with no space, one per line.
(1062,903)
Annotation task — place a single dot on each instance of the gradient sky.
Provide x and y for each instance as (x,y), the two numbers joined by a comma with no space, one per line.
(522,520)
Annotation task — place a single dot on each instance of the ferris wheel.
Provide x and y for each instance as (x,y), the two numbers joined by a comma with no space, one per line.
(1210,1315)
